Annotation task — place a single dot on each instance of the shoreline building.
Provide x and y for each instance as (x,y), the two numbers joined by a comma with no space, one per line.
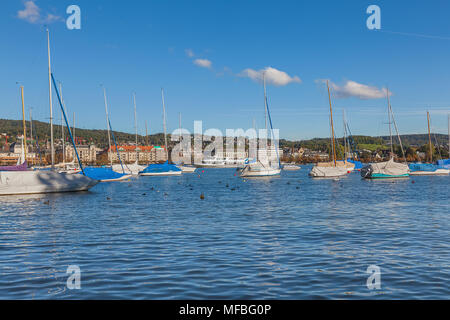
(87,153)
(145,154)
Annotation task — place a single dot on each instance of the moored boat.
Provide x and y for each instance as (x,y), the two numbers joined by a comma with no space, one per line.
(161,169)
(333,168)
(263,167)
(385,170)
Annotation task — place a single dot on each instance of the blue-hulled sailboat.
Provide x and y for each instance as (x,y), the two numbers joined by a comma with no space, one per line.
(166,168)
(106,174)
(428,169)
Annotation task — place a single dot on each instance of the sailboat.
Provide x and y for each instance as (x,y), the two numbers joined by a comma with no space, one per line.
(263,167)
(66,167)
(162,169)
(20,180)
(349,147)
(185,168)
(334,168)
(445,163)
(135,167)
(387,169)
(106,174)
(428,169)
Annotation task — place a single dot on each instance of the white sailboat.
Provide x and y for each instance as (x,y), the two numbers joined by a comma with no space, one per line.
(263,167)
(387,169)
(185,168)
(334,168)
(291,167)
(16,180)
(135,167)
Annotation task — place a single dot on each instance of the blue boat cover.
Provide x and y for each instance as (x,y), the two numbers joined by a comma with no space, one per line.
(160,168)
(102,173)
(428,167)
(444,163)
(358,164)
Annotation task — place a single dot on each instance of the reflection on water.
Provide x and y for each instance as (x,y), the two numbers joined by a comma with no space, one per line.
(290,237)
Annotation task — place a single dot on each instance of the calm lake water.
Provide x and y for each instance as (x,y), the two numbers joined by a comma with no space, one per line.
(290,237)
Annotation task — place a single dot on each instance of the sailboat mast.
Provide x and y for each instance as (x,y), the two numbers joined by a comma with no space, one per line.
(398,134)
(62,125)
(50,100)
(332,127)
(31,128)
(146,133)
(345,135)
(265,101)
(181,144)
(24,125)
(74,136)
(429,137)
(164,124)
(107,125)
(135,125)
(390,129)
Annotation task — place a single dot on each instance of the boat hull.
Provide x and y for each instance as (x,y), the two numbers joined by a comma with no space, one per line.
(291,168)
(187,169)
(133,169)
(387,176)
(169,173)
(45,181)
(437,172)
(261,173)
(124,177)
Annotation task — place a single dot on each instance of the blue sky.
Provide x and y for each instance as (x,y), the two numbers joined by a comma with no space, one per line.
(207,55)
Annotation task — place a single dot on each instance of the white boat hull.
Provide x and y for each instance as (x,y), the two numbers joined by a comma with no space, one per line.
(125,177)
(169,173)
(133,169)
(290,167)
(437,172)
(187,169)
(259,171)
(42,181)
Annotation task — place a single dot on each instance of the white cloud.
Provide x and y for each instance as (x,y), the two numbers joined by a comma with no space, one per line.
(204,63)
(357,90)
(32,14)
(272,75)
(189,53)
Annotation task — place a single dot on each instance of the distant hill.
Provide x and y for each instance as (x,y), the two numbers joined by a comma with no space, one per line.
(13,128)
(407,140)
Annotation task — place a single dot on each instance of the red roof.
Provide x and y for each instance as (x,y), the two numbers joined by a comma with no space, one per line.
(133,148)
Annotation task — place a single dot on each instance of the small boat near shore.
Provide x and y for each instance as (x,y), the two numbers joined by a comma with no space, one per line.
(290,167)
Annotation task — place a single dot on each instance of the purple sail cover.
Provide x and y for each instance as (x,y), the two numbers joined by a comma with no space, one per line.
(20,167)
